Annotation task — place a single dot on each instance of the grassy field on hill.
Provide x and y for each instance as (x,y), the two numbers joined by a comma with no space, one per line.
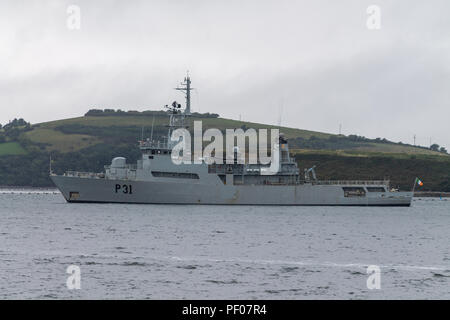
(78,133)
(56,140)
(11,148)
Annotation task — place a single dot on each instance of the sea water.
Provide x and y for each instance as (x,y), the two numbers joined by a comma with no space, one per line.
(221,252)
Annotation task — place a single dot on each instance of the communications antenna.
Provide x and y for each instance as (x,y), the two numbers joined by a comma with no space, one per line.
(185,87)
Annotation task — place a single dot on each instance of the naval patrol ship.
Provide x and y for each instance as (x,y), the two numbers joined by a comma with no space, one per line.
(156,179)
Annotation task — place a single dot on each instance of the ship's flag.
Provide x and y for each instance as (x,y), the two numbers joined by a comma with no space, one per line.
(419,182)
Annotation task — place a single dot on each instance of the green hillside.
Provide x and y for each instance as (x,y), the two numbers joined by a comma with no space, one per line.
(88,143)
(78,133)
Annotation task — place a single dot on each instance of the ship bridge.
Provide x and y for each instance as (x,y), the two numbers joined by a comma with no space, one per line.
(155,147)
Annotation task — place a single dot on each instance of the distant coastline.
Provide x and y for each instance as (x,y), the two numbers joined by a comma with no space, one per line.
(431,194)
(28,190)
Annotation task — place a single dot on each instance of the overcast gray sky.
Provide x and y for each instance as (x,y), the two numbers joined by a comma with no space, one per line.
(315,60)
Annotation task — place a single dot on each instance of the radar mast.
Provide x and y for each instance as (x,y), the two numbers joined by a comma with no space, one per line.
(185,87)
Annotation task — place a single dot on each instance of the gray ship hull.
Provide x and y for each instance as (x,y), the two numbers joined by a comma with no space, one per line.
(77,189)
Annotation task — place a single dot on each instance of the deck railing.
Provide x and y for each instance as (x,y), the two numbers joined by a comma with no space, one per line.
(127,166)
(79,174)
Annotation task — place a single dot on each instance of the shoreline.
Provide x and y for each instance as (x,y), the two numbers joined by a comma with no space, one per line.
(431,194)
